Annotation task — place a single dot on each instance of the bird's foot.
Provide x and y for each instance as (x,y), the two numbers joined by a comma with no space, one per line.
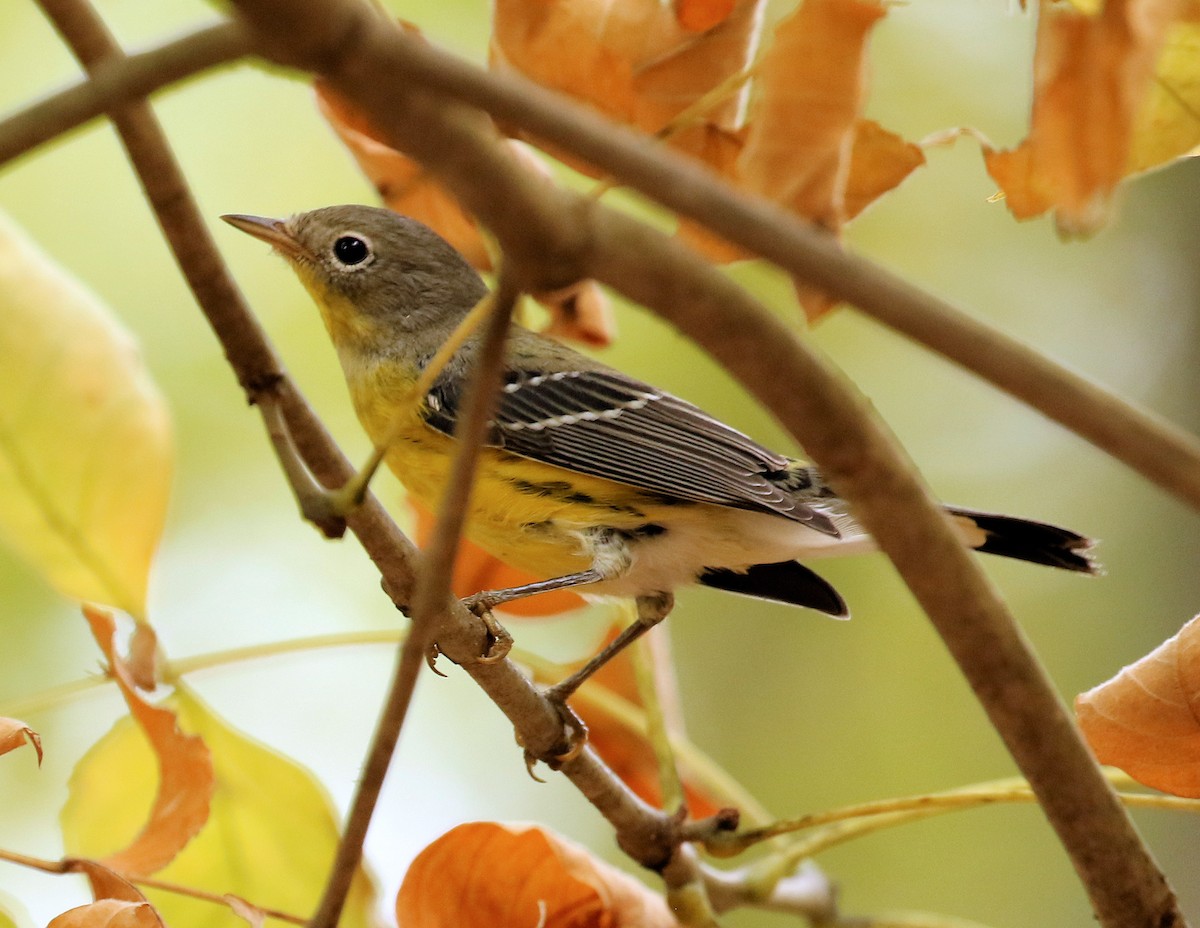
(499,641)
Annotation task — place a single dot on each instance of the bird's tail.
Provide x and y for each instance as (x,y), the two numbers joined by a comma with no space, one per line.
(1026,540)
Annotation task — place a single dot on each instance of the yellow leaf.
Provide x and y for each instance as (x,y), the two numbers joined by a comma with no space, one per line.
(271,830)
(1168,125)
(85,450)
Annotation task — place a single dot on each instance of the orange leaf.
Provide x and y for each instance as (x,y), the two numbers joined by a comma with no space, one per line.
(805,124)
(1146,719)
(701,15)
(476,570)
(634,60)
(184,764)
(15,734)
(879,160)
(1091,76)
(495,876)
(109,913)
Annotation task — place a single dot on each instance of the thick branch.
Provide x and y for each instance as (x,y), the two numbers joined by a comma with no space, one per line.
(120,81)
(363,59)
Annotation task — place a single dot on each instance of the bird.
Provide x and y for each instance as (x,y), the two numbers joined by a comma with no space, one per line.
(589,478)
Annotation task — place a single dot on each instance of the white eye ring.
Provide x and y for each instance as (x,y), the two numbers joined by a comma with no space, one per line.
(352,250)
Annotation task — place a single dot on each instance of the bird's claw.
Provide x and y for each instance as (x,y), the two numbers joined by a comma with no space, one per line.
(575,729)
(432,653)
(500,642)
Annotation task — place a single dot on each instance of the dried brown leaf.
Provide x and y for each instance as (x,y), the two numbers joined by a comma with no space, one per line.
(805,123)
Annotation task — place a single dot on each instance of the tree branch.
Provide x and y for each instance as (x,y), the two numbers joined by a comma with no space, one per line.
(120,81)
(568,237)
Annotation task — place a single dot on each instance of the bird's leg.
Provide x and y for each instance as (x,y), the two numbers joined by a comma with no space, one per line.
(651,610)
(484,602)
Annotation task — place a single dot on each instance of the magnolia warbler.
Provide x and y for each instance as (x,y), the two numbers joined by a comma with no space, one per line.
(589,478)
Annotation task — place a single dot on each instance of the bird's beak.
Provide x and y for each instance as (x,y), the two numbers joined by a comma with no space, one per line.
(272,231)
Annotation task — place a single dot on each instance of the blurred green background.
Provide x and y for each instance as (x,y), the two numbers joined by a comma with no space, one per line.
(807,713)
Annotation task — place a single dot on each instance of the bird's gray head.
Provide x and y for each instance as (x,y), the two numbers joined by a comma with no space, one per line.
(375,274)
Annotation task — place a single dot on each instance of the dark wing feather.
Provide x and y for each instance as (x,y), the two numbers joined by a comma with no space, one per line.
(602,423)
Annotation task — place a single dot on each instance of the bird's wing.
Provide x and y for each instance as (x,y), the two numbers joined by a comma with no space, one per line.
(605,424)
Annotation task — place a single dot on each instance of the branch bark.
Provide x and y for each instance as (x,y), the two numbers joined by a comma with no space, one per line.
(565,237)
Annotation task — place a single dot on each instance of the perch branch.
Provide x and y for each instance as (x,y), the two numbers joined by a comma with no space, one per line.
(568,238)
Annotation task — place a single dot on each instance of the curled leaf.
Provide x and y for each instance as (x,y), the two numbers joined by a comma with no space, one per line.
(489,874)
(15,734)
(119,904)
(813,89)
(1146,719)
(185,771)
(85,447)
(1093,73)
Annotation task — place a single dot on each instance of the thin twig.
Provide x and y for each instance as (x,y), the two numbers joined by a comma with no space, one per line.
(429,601)
(120,82)
(568,237)
(70,865)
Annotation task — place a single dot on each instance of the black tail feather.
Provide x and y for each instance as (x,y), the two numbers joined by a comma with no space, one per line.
(785,582)
(1027,540)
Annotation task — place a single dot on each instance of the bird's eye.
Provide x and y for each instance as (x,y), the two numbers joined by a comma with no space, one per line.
(351,250)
